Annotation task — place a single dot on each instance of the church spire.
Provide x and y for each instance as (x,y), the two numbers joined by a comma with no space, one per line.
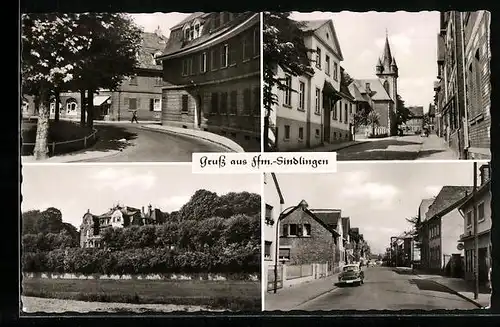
(387,49)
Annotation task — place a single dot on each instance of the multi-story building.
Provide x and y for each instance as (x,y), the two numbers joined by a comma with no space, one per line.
(141,92)
(423,232)
(463,88)
(333,220)
(481,201)
(431,118)
(119,217)
(477,58)
(305,118)
(211,71)
(443,227)
(415,123)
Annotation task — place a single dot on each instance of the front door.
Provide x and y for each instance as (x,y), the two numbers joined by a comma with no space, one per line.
(199,109)
(326,118)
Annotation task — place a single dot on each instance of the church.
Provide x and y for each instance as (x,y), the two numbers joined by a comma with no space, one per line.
(380,94)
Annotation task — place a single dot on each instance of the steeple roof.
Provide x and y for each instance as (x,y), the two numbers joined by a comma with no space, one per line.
(387,50)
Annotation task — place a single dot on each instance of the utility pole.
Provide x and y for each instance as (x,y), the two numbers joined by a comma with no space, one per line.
(476,239)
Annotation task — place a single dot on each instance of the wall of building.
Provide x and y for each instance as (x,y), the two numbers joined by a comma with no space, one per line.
(435,251)
(383,109)
(317,248)
(452,226)
(271,198)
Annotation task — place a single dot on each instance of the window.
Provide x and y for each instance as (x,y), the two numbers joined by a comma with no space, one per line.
(224,56)
(480,212)
(293,230)
(247,48)
(214,107)
(133,80)
(327,65)
(196,30)
(184,67)
(223,103)
(269,214)
(335,71)
(318,58)
(350,109)
(159,81)
(317,98)
(247,101)
(386,87)
(317,132)
(203,62)
(287,98)
(233,103)
(256,101)
(307,229)
(256,42)
(132,103)
(157,105)
(340,111)
(71,105)
(287,132)
(151,104)
(302,88)
(469,218)
(267,250)
(346,117)
(185,103)
(214,58)
(301,133)
(284,228)
(284,254)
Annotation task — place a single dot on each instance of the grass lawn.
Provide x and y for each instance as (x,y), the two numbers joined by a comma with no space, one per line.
(229,295)
(58,131)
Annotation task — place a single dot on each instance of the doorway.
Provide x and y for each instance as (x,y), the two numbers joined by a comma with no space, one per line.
(199,107)
(326,118)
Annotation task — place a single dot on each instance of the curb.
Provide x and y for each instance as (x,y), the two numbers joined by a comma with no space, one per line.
(339,148)
(457,293)
(233,148)
(316,296)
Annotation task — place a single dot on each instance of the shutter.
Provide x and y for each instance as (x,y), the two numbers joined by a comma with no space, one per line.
(151,104)
(126,102)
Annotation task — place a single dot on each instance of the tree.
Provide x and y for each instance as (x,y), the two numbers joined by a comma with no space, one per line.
(403,114)
(373,120)
(202,205)
(345,78)
(283,48)
(50,49)
(416,229)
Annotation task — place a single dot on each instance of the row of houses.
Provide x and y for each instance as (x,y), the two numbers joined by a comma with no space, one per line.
(299,236)
(322,109)
(205,76)
(446,232)
(463,89)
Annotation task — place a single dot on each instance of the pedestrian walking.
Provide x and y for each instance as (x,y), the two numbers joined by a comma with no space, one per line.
(134,117)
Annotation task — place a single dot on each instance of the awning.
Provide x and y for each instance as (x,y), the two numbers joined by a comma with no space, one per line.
(100,99)
(329,90)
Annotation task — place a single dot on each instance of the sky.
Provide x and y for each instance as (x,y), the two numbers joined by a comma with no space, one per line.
(413,41)
(150,22)
(376,196)
(75,188)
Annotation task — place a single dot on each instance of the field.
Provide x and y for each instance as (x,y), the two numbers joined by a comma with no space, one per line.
(228,295)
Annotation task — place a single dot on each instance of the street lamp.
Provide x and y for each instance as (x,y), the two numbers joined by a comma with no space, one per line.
(276,246)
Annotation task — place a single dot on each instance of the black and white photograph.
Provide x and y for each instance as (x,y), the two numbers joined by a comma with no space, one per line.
(398,86)
(117,87)
(375,237)
(139,238)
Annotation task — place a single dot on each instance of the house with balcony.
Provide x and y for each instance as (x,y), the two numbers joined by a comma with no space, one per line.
(141,92)
(211,72)
(305,238)
(118,216)
(442,228)
(477,57)
(480,201)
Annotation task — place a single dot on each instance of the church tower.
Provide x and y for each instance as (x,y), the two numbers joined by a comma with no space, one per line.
(387,71)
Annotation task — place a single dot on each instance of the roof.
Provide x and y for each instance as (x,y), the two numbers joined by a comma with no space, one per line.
(346,225)
(278,189)
(378,91)
(303,204)
(480,190)
(356,94)
(447,200)
(417,111)
(313,25)
(424,207)
(344,89)
(189,18)
(151,45)
(175,44)
(328,216)
(126,211)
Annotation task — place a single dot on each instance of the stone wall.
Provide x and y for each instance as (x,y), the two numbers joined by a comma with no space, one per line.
(198,276)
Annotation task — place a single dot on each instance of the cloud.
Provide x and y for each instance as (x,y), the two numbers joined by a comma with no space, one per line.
(382,195)
(356,177)
(120,179)
(173,203)
(400,44)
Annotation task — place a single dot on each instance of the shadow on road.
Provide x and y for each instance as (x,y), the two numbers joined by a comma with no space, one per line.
(112,138)
(403,271)
(377,155)
(384,144)
(430,285)
(427,295)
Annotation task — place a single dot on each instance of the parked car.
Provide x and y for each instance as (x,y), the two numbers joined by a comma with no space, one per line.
(351,274)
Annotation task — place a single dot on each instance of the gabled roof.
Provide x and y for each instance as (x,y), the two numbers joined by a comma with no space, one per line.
(480,191)
(449,198)
(424,207)
(346,225)
(376,87)
(329,217)
(151,45)
(417,111)
(312,26)
(354,91)
(302,204)
(189,18)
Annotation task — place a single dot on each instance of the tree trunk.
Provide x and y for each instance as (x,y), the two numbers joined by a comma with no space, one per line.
(90,108)
(58,98)
(41,149)
(266,133)
(83,108)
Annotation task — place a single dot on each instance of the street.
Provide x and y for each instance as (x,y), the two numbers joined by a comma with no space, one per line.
(410,147)
(145,145)
(385,289)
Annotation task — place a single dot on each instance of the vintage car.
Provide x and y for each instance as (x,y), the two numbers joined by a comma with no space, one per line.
(351,274)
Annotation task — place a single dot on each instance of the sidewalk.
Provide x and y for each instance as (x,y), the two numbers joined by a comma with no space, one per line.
(334,147)
(435,148)
(289,298)
(207,136)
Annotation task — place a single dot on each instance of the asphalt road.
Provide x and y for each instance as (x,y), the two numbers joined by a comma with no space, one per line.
(385,289)
(147,146)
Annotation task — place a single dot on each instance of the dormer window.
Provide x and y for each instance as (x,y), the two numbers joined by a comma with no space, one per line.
(196,32)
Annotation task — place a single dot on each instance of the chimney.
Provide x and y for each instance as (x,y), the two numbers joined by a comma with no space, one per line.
(150,210)
(88,210)
(368,89)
